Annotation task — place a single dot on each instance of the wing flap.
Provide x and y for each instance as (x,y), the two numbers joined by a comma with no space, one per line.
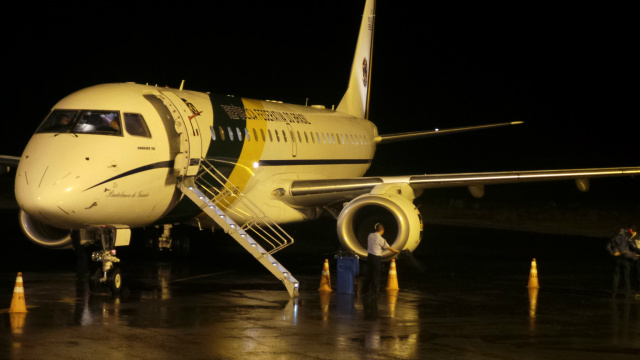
(418,182)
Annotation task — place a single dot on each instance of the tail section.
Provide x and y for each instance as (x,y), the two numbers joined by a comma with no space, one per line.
(356,100)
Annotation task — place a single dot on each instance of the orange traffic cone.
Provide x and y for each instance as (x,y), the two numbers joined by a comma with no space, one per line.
(392,281)
(325,281)
(533,276)
(18,304)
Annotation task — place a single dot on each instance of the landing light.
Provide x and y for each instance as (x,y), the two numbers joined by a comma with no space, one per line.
(68,189)
(256,165)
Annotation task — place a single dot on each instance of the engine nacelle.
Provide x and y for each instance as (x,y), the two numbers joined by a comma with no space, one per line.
(400,217)
(43,234)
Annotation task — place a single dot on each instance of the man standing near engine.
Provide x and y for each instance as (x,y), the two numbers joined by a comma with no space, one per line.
(375,245)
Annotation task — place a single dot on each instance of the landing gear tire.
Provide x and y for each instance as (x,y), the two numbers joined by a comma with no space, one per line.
(95,286)
(114,281)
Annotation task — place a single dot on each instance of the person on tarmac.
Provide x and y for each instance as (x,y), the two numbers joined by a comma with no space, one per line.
(634,247)
(375,245)
(618,247)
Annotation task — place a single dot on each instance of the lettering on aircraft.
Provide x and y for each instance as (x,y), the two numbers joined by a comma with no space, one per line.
(124,195)
(146,147)
(240,113)
(364,72)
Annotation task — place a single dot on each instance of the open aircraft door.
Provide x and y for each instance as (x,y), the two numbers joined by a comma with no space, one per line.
(294,143)
(187,162)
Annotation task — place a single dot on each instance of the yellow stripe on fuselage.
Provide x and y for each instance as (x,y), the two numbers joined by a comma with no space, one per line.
(251,153)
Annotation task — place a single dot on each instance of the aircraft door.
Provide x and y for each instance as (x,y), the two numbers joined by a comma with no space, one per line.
(294,141)
(187,162)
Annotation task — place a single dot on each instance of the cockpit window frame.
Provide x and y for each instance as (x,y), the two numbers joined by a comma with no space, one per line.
(141,129)
(98,122)
(58,121)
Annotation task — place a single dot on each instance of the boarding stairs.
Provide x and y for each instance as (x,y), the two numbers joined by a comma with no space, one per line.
(224,202)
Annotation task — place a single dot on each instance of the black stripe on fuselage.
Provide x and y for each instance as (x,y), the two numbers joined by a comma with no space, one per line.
(158,165)
(314,162)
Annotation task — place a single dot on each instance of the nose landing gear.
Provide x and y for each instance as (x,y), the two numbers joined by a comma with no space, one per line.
(107,276)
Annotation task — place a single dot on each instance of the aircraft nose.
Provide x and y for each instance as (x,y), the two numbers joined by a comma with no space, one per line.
(46,191)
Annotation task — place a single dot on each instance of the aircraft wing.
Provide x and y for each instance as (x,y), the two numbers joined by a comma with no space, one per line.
(475,181)
(7,162)
(389,138)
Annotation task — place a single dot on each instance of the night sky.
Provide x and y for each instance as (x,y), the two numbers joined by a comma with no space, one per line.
(566,71)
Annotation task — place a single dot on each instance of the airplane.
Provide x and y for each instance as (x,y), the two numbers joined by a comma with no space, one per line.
(114,157)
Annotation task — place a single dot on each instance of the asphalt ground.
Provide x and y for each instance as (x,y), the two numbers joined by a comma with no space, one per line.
(470,302)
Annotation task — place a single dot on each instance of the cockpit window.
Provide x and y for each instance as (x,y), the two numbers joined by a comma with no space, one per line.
(82,122)
(58,121)
(135,125)
(98,122)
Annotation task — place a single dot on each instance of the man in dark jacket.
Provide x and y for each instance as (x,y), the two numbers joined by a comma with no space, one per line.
(634,247)
(618,247)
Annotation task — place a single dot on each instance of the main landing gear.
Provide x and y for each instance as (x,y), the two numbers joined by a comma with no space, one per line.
(166,238)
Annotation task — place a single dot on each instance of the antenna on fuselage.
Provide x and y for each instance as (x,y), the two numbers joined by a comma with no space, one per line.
(181,85)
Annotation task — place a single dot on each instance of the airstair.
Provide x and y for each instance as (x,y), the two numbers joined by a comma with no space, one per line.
(224,202)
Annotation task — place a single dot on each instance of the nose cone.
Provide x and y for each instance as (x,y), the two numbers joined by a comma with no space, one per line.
(47,184)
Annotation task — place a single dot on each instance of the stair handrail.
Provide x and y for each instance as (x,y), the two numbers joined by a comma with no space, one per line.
(258,221)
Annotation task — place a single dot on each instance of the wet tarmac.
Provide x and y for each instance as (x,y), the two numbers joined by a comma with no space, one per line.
(471,302)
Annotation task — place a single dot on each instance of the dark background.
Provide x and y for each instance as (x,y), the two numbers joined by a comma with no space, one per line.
(565,70)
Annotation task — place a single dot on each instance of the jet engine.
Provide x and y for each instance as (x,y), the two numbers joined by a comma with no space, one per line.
(43,234)
(400,217)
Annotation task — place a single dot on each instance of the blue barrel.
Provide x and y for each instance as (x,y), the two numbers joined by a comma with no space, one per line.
(348,269)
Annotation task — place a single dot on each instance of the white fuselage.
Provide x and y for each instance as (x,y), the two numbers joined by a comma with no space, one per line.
(75,180)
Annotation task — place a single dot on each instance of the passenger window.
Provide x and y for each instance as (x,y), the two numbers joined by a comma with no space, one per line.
(255,135)
(239,132)
(284,135)
(262,134)
(306,138)
(270,136)
(221,130)
(135,125)
(213,133)
(246,134)
(299,137)
(277,136)
(230,133)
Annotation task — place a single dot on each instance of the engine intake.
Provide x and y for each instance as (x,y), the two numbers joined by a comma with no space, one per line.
(401,219)
(43,234)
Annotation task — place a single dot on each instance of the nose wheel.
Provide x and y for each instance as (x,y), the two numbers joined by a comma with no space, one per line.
(100,283)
